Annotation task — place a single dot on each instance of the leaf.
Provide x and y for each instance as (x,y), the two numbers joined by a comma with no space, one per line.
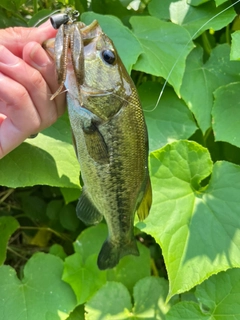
(194,20)
(187,311)
(111,302)
(196,2)
(198,92)
(219,2)
(70,194)
(40,295)
(40,17)
(220,294)
(12,5)
(8,225)
(10,20)
(47,159)
(200,80)
(197,227)
(226,114)
(109,7)
(90,241)
(168,121)
(85,279)
(165,47)
(68,217)
(58,251)
(150,298)
(77,314)
(121,36)
(218,299)
(234,55)
(127,271)
(53,209)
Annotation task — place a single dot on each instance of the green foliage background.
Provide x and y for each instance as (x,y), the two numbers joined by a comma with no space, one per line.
(190,242)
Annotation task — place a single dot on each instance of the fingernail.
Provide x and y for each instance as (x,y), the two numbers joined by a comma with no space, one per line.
(6,57)
(46,24)
(39,56)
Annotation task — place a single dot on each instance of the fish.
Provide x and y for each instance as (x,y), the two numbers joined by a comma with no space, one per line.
(109,134)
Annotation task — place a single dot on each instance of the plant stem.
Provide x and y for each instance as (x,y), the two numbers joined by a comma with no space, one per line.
(206,43)
(154,268)
(35,6)
(61,236)
(228,38)
(6,194)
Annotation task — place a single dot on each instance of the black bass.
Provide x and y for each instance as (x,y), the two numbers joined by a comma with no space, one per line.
(109,134)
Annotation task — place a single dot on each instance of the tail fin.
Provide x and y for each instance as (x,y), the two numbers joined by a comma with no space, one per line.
(111,253)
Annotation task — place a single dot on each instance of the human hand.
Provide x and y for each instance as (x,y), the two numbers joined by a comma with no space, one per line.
(27,81)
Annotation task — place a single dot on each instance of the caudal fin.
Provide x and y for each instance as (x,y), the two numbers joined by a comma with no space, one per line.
(111,253)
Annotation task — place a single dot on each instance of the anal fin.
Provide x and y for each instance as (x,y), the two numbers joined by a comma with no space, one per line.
(86,211)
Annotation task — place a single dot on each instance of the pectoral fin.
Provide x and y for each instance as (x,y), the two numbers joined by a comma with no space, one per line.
(86,211)
(96,146)
(145,205)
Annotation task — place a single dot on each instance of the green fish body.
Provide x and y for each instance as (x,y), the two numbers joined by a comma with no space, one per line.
(111,143)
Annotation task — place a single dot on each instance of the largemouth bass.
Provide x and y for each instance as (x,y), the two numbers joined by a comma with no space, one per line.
(109,134)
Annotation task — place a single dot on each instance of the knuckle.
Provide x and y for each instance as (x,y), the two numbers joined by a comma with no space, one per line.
(37,80)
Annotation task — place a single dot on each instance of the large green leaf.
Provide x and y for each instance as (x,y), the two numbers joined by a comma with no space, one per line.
(8,225)
(195,20)
(113,301)
(165,47)
(41,294)
(197,227)
(168,121)
(218,299)
(200,80)
(47,159)
(150,298)
(121,36)
(226,114)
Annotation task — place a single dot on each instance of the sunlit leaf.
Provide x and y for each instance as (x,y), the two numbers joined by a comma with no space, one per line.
(195,19)
(218,299)
(47,159)
(197,227)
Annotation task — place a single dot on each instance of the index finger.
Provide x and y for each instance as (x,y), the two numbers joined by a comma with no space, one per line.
(14,39)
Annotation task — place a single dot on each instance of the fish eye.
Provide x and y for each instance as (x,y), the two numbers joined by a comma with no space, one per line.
(108,56)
